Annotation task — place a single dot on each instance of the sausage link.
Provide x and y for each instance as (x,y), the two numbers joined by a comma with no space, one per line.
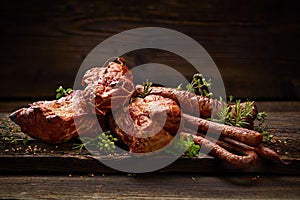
(219,152)
(262,151)
(246,136)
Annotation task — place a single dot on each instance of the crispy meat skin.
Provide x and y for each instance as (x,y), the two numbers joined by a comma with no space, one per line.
(107,88)
(148,124)
(53,121)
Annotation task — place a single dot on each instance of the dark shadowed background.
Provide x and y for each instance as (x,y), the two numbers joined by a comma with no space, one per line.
(255,44)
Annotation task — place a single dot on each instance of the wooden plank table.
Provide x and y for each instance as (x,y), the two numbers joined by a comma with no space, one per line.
(150,186)
(63,173)
(254,44)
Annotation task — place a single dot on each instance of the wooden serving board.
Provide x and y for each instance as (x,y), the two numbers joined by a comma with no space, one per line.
(37,157)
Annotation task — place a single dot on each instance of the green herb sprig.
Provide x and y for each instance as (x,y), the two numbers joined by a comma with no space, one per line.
(261,127)
(200,86)
(7,133)
(181,144)
(146,91)
(10,138)
(235,115)
(61,92)
(103,142)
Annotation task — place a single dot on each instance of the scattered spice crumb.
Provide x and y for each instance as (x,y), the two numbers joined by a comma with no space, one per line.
(273,140)
(255,178)
(131,174)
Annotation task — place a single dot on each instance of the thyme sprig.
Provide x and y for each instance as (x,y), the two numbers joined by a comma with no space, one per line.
(261,127)
(181,144)
(103,142)
(200,86)
(10,138)
(7,133)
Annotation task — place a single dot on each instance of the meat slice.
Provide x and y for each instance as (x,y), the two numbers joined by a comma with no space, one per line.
(107,88)
(148,124)
(53,121)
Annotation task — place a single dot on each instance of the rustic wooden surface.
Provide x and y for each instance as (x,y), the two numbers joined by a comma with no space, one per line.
(61,173)
(255,44)
(149,186)
(39,157)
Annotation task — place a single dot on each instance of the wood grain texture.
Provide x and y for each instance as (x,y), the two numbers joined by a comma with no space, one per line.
(254,43)
(149,186)
(62,173)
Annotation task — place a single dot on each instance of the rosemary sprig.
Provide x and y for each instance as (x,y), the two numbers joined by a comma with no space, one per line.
(235,115)
(241,114)
(146,91)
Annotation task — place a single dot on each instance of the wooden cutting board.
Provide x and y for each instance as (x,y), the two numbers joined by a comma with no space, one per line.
(283,122)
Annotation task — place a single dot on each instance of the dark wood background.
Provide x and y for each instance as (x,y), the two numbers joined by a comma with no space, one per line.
(255,44)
